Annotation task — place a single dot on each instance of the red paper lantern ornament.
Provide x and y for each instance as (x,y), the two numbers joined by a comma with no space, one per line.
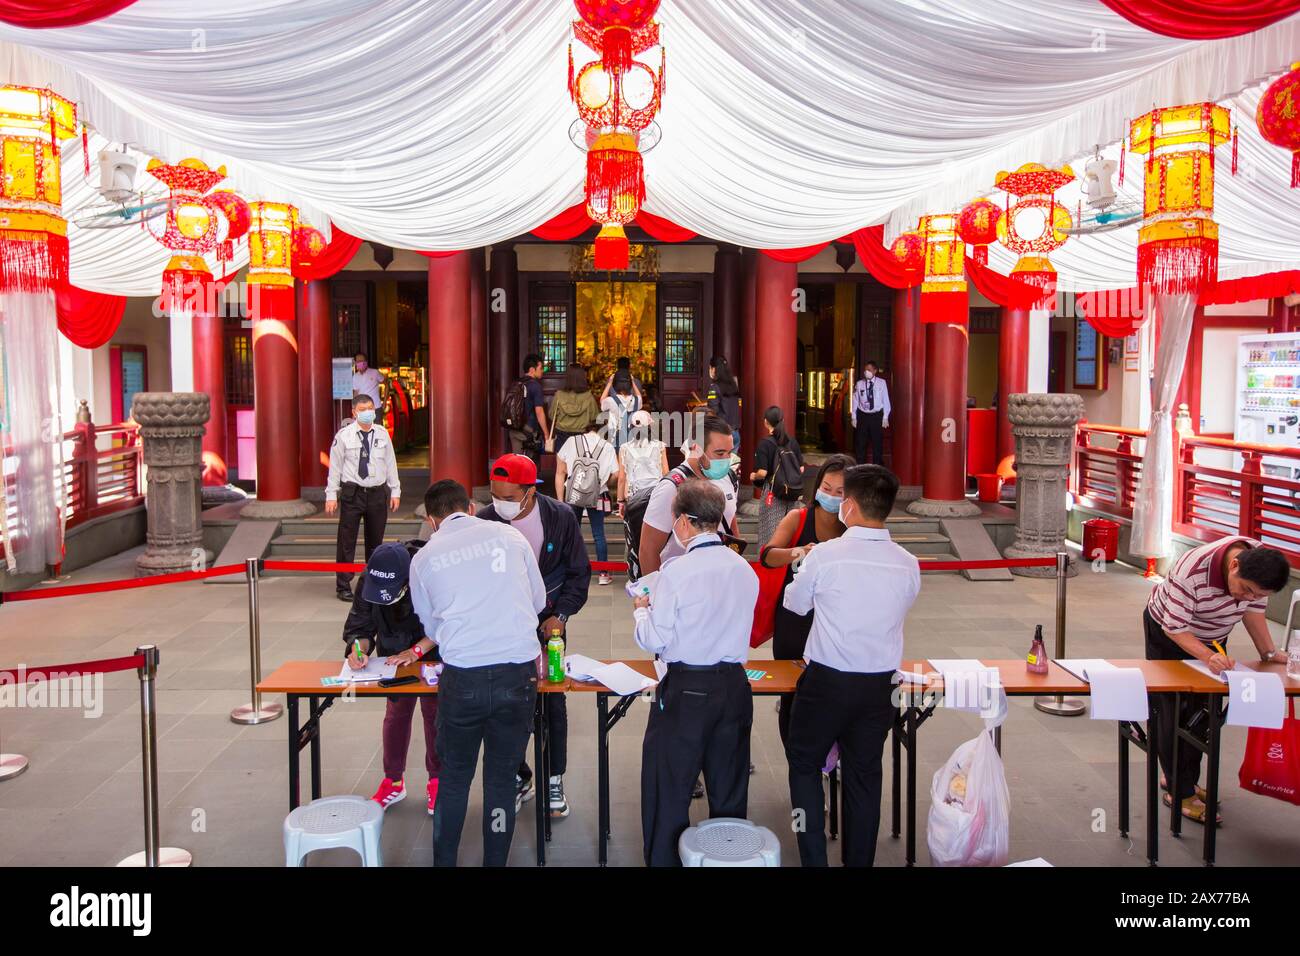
(977,224)
(617,29)
(1033,224)
(238,216)
(198,222)
(308,243)
(909,250)
(1278,117)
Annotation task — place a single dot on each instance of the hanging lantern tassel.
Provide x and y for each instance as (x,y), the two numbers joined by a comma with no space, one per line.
(1177,266)
(571,96)
(1123,151)
(85,150)
(615,180)
(1234,149)
(32,261)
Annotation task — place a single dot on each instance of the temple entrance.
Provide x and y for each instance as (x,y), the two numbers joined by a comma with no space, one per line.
(616,320)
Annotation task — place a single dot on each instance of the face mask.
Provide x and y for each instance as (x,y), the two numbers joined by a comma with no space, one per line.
(678,538)
(361,366)
(829,502)
(716,468)
(507,509)
(367,417)
(868,374)
(844,516)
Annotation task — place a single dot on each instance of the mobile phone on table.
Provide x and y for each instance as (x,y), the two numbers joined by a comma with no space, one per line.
(399,681)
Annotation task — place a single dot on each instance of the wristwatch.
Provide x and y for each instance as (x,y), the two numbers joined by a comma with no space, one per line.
(1273,655)
(562,618)
(417,650)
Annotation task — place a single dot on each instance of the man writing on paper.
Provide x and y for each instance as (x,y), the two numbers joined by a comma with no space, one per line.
(1189,616)
(699,625)
(861,586)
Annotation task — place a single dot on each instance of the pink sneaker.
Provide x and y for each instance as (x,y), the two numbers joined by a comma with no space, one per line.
(433,794)
(390,792)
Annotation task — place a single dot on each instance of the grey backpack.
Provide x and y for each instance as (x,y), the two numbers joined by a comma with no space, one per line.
(582,486)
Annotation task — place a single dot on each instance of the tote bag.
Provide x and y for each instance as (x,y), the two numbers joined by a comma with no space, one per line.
(769,592)
(1271,765)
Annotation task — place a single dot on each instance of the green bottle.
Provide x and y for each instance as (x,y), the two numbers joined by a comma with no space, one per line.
(555,657)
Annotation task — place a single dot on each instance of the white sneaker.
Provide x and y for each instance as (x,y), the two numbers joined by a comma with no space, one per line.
(603,579)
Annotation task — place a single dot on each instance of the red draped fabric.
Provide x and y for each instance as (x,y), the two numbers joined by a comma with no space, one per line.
(1203,19)
(1000,289)
(336,254)
(1270,285)
(880,262)
(438,254)
(800,254)
(88,319)
(42,14)
(665,230)
(1113,312)
(569,224)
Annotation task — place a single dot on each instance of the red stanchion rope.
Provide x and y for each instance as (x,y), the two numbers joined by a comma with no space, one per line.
(320,566)
(69,590)
(927,564)
(107,665)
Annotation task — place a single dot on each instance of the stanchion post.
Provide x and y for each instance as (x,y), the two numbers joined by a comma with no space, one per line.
(153,855)
(255,712)
(1058,704)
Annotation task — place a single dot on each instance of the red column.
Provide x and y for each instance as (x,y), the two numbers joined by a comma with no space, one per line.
(943,474)
(726,306)
(315,380)
(210,377)
(275,401)
(748,353)
(478,365)
(777,328)
(503,342)
(1013,379)
(908,386)
(451,440)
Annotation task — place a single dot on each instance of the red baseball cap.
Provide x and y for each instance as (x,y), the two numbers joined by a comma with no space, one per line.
(517,469)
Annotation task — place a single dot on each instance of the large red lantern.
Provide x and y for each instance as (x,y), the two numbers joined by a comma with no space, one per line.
(1278,117)
(1034,224)
(977,224)
(198,222)
(617,29)
(909,250)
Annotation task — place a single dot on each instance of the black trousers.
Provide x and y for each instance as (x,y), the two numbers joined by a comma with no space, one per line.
(870,428)
(789,638)
(492,706)
(700,720)
(556,711)
(856,711)
(355,503)
(1193,714)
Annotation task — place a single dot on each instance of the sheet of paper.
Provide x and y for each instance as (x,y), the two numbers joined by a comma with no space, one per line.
(1205,669)
(374,670)
(1256,699)
(1118,693)
(969,685)
(1036,861)
(618,677)
(581,667)
(911,677)
(643,585)
(1081,666)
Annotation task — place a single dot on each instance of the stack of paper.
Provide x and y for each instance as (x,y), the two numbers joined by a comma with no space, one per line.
(1205,669)
(1081,666)
(375,669)
(618,677)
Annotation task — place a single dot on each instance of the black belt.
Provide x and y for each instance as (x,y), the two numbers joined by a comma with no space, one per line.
(707,668)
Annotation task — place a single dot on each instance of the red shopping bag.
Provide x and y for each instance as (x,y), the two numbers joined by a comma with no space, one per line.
(1272,763)
(770,581)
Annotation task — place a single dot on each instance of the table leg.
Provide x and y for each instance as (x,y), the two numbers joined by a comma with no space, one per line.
(1212,782)
(1175,806)
(315,748)
(833,784)
(295,798)
(1153,789)
(897,780)
(1123,778)
(546,778)
(602,775)
(539,781)
(911,786)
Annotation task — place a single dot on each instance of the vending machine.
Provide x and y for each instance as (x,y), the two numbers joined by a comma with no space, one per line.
(1268,396)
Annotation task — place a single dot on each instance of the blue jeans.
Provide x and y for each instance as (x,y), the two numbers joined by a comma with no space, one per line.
(492,706)
(735,441)
(597,529)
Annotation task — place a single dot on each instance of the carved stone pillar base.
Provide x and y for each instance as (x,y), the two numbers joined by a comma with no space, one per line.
(222,494)
(171,428)
(1043,426)
(276,510)
(908,492)
(932,508)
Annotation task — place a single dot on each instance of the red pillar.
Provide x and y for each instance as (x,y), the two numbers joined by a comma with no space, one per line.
(478,365)
(908,386)
(777,328)
(210,377)
(451,440)
(748,353)
(726,306)
(1013,379)
(275,401)
(315,380)
(503,342)
(943,474)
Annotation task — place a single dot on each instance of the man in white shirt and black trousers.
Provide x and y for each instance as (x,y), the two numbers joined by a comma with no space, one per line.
(860,586)
(870,415)
(697,621)
(362,483)
(477,590)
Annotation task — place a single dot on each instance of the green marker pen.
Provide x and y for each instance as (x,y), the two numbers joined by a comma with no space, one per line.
(356,648)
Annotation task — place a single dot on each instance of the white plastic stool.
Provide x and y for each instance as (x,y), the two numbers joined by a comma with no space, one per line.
(728,841)
(349,821)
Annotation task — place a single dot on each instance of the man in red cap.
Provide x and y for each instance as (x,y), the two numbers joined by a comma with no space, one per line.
(553,533)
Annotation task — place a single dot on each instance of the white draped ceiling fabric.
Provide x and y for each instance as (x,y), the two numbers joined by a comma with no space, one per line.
(444,125)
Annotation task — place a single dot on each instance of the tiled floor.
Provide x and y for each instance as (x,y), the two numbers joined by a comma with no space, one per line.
(223,787)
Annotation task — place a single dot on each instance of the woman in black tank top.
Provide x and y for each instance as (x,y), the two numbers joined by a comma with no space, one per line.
(789,543)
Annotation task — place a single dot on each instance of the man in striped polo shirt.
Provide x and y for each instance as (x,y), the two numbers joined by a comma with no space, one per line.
(1208,590)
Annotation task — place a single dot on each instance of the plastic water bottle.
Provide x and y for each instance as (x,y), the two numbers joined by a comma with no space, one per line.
(1293,660)
(555,657)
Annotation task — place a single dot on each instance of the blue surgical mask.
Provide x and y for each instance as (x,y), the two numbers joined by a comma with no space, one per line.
(828,502)
(716,468)
(366,417)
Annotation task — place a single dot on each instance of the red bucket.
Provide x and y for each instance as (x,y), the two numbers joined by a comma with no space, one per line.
(990,487)
(1100,534)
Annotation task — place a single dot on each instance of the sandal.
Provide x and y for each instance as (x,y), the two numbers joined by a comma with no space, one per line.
(1193,809)
(1200,791)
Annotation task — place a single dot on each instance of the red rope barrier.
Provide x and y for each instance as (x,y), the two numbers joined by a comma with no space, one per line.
(939,564)
(107,665)
(321,566)
(71,589)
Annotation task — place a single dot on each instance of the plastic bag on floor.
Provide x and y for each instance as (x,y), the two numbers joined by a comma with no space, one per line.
(970,807)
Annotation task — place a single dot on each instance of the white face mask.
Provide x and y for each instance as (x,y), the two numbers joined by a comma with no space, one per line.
(678,538)
(507,509)
(845,514)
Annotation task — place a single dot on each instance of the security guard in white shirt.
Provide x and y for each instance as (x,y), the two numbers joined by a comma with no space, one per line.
(362,483)
(861,586)
(697,621)
(477,590)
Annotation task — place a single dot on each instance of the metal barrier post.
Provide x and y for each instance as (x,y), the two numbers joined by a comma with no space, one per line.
(1058,704)
(153,855)
(11,765)
(255,712)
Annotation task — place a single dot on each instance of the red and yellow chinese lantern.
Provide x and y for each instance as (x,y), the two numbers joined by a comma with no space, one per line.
(1178,243)
(977,224)
(617,99)
(944,296)
(909,250)
(33,232)
(1032,226)
(1278,117)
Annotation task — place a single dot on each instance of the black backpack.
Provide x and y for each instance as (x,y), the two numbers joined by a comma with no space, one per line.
(787,476)
(514,407)
(635,509)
